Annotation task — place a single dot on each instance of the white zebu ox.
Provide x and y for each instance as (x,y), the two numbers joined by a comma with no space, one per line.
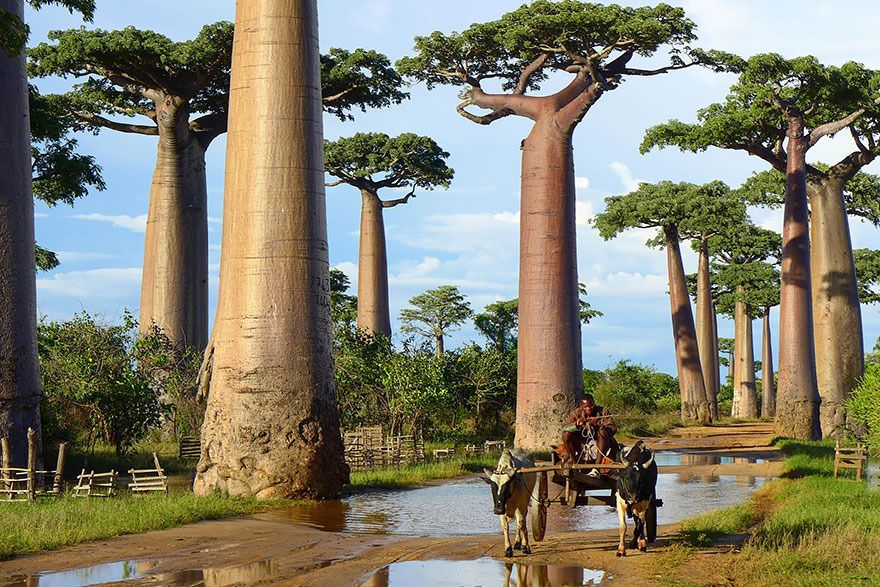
(636,486)
(511,495)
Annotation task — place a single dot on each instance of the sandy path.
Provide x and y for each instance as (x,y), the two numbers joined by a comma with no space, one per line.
(253,551)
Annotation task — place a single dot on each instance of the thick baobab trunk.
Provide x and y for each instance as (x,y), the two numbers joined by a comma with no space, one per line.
(837,316)
(745,399)
(706,328)
(373,314)
(272,427)
(549,367)
(19,369)
(768,387)
(694,406)
(797,400)
(439,348)
(174,288)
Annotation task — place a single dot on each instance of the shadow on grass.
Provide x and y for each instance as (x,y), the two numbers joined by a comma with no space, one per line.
(806,458)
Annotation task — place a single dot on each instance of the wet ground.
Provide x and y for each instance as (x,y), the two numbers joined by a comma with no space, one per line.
(443,534)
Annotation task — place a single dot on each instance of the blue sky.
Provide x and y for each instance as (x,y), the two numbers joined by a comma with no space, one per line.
(467,235)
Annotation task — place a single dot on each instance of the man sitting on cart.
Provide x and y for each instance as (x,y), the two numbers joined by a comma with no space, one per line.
(588,434)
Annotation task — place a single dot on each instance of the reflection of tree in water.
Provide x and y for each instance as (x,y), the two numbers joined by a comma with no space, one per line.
(520,575)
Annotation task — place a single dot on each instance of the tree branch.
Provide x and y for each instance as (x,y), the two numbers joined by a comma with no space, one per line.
(333,184)
(209,127)
(95,120)
(832,127)
(398,201)
(528,72)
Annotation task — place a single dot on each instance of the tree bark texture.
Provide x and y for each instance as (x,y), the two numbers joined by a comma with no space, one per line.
(768,386)
(797,401)
(549,365)
(174,286)
(837,316)
(20,388)
(694,406)
(272,427)
(706,329)
(439,346)
(745,399)
(373,313)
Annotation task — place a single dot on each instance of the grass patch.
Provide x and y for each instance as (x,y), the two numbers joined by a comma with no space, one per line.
(635,425)
(103,458)
(807,529)
(411,475)
(51,524)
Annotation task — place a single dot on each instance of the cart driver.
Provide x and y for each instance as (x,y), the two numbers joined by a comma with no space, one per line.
(589,429)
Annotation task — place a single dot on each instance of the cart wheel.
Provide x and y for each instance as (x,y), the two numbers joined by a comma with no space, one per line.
(651,520)
(539,507)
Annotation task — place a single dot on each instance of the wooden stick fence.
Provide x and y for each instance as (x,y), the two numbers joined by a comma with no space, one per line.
(17,484)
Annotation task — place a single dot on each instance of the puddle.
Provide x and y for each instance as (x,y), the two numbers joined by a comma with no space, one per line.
(130,570)
(464,507)
(674,459)
(94,575)
(484,573)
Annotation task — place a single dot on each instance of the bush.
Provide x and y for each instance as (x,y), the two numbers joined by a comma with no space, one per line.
(863,407)
(629,387)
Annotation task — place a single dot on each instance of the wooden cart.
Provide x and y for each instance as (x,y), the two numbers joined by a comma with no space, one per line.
(569,485)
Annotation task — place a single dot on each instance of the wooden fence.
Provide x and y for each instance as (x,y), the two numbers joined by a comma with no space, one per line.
(17,484)
(367,447)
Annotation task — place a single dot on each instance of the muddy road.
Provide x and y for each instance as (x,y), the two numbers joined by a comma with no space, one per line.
(391,539)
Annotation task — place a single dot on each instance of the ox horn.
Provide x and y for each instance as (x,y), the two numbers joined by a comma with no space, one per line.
(648,463)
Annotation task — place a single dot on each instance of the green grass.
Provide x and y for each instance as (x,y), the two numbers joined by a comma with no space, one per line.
(634,425)
(51,524)
(806,529)
(412,475)
(103,458)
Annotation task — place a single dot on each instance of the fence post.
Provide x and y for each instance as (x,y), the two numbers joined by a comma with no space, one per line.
(32,466)
(58,482)
(4,448)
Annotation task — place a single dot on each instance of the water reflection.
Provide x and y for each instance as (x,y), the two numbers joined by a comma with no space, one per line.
(129,570)
(485,573)
(466,507)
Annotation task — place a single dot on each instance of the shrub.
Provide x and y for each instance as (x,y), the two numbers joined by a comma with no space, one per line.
(863,407)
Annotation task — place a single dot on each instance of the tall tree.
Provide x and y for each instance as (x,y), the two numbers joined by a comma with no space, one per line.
(372,162)
(181,91)
(587,312)
(868,271)
(343,306)
(435,313)
(739,253)
(674,208)
(594,44)
(20,389)
(801,101)
(498,323)
(272,426)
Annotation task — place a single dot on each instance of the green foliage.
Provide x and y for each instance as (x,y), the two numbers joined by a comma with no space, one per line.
(14,32)
(567,33)
(359,366)
(46,259)
(52,524)
(587,312)
(755,283)
(867,263)
(485,383)
(358,78)
(374,160)
(92,384)
(343,306)
(631,388)
(753,117)
(498,323)
(683,208)
(863,407)
(436,312)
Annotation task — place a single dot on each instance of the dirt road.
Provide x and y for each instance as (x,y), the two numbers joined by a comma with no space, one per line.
(256,550)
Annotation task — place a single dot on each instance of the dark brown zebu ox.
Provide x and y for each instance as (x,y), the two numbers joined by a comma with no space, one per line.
(636,488)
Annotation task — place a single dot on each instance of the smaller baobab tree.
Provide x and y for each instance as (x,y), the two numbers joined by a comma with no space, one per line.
(498,322)
(372,162)
(677,209)
(435,313)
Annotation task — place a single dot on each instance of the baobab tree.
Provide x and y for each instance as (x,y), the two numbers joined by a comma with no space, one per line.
(498,322)
(372,162)
(595,45)
(180,90)
(20,389)
(778,110)
(271,426)
(435,313)
(679,211)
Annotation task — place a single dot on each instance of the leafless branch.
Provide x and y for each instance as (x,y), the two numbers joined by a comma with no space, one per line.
(340,95)
(333,184)
(95,120)
(527,73)
(398,201)
(829,128)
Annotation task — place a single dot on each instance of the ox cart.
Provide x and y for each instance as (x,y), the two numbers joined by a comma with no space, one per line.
(570,485)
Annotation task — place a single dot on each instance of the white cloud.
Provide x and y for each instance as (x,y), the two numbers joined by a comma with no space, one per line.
(625,175)
(583,212)
(94,283)
(581,183)
(350,269)
(628,284)
(134,223)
